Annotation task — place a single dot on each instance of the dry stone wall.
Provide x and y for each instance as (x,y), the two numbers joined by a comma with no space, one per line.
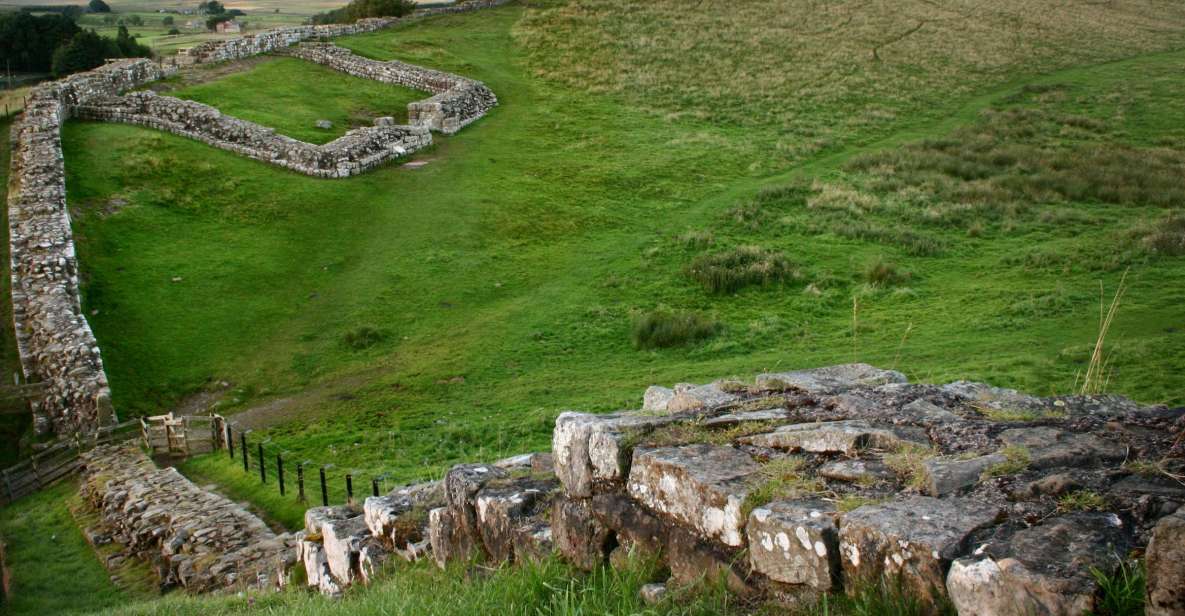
(279,38)
(358,151)
(198,540)
(54,340)
(799,483)
(456,101)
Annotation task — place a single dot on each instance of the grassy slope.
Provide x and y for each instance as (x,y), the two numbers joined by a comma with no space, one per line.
(54,570)
(276,94)
(516,257)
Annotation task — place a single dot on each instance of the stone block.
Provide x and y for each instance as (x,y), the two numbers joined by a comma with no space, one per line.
(1050,447)
(1165,563)
(1044,569)
(914,539)
(944,476)
(578,535)
(829,380)
(795,542)
(846,437)
(702,486)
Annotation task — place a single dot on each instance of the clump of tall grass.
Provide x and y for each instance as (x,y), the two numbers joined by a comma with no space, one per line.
(663,328)
(364,337)
(1162,237)
(732,270)
(880,272)
(1098,372)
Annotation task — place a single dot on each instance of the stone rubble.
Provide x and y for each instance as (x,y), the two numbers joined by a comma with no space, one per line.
(456,101)
(964,521)
(198,540)
(356,152)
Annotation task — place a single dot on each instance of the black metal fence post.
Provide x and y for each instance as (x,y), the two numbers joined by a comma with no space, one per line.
(349,489)
(262,466)
(324,489)
(230,442)
(243,442)
(374,486)
(300,482)
(280,471)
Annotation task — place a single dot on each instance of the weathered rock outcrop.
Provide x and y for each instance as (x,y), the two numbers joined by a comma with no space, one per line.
(198,540)
(824,480)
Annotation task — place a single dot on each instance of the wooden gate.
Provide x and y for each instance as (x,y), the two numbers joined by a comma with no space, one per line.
(181,436)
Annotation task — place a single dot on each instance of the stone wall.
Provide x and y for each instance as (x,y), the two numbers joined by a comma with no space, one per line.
(54,340)
(198,540)
(358,151)
(456,101)
(801,483)
(279,38)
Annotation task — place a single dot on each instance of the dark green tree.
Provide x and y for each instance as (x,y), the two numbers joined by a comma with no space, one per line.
(98,6)
(27,42)
(84,52)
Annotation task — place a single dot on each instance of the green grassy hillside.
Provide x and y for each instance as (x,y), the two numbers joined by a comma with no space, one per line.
(411,318)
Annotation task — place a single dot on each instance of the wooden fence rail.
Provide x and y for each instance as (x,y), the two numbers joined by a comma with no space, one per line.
(57,461)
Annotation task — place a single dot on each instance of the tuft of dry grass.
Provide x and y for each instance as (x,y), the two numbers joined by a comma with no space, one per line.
(730,271)
(1017,460)
(1082,500)
(781,478)
(907,462)
(1097,371)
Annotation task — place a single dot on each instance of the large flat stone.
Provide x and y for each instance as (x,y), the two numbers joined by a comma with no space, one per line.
(846,437)
(914,539)
(594,448)
(702,486)
(945,476)
(700,397)
(578,535)
(829,380)
(1040,570)
(502,510)
(795,542)
(1051,447)
(444,538)
(342,541)
(461,485)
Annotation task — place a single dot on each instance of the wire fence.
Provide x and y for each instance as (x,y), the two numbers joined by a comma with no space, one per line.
(303,480)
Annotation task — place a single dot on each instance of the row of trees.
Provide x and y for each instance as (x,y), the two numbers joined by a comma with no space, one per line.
(359,9)
(54,43)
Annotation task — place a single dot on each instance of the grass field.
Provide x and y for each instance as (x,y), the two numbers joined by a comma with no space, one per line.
(950,193)
(276,94)
(409,319)
(54,569)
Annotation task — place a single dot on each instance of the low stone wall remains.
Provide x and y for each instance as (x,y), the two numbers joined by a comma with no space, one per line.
(54,340)
(198,540)
(456,102)
(801,483)
(358,151)
(279,38)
